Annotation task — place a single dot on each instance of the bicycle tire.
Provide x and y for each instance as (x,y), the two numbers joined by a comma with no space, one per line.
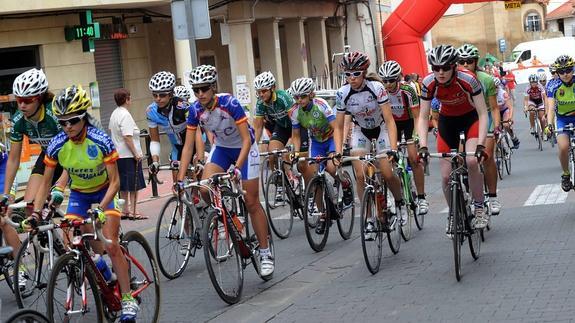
(394,233)
(213,259)
(27,315)
(457,229)
(168,240)
(508,153)
(68,264)
(312,218)
(539,135)
(408,197)
(499,160)
(346,219)
(149,310)
(572,164)
(280,221)
(255,245)
(372,256)
(264,173)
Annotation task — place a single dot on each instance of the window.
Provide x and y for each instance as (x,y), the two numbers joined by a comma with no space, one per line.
(533,22)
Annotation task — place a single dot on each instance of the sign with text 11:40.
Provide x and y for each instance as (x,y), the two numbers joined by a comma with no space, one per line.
(512,4)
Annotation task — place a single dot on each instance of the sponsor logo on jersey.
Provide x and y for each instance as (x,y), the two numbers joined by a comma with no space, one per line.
(92,151)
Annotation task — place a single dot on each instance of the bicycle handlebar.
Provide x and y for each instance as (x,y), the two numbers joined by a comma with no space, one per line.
(275,152)
(452,154)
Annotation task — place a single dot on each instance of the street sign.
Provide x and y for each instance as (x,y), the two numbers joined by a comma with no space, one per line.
(200,18)
(502,45)
(512,4)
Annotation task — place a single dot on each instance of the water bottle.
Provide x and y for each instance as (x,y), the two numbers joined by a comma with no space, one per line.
(103,267)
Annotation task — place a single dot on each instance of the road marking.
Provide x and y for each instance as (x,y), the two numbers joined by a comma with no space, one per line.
(546,194)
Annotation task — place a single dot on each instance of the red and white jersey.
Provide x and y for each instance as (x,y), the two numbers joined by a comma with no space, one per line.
(535,92)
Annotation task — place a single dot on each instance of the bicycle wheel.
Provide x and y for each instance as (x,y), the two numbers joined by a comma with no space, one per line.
(538,134)
(174,239)
(316,209)
(65,302)
(264,173)
(507,153)
(394,225)
(347,212)
(27,315)
(475,237)
(253,241)
(223,260)
(456,228)
(371,242)
(499,159)
(144,277)
(410,207)
(278,206)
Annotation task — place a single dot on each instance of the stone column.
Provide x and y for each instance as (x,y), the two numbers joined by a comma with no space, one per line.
(319,51)
(242,62)
(270,49)
(296,50)
(183,58)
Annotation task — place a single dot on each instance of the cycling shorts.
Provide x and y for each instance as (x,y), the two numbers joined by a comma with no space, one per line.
(405,126)
(39,168)
(562,121)
(225,157)
(538,104)
(79,203)
(504,114)
(322,148)
(284,134)
(176,153)
(450,127)
(361,138)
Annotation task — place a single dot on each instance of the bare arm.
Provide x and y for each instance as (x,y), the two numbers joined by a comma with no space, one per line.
(423,123)
(481,108)
(258,128)
(339,124)
(295,139)
(495,111)
(246,144)
(187,153)
(155,136)
(113,185)
(390,123)
(551,111)
(44,189)
(200,146)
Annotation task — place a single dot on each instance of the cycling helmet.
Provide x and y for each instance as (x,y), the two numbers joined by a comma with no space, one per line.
(302,86)
(264,80)
(72,99)
(563,61)
(496,81)
(442,55)
(389,70)
(30,83)
(162,82)
(552,69)
(355,61)
(203,74)
(533,78)
(468,51)
(182,92)
(542,76)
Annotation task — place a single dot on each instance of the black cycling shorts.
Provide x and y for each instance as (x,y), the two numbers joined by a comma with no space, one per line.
(405,126)
(39,168)
(284,134)
(451,127)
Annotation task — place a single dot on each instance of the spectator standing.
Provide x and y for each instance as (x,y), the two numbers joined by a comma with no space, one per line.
(126,137)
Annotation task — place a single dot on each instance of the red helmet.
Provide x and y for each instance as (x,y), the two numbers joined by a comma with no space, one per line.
(355,61)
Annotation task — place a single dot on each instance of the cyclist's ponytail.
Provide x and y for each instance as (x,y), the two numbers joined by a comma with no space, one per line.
(91,121)
(371,76)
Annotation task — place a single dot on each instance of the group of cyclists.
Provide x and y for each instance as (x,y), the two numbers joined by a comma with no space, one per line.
(379,108)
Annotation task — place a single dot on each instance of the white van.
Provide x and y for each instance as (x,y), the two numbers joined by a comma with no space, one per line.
(546,51)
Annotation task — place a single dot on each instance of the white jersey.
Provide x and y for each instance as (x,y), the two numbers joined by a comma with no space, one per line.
(363,104)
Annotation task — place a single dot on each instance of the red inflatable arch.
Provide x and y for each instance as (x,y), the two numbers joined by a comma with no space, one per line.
(404,29)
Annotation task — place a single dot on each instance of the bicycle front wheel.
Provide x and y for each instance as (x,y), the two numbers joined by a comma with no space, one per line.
(278,206)
(410,207)
(174,238)
(144,277)
(223,259)
(371,238)
(394,225)
(507,152)
(28,316)
(539,134)
(346,210)
(316,218)
(456,229)
(6,269)
(72,293)
(499,159)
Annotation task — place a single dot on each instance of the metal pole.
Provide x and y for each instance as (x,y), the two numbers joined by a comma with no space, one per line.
(192,40)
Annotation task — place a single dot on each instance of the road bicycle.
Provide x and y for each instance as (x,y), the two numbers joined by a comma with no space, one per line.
(404,173)
(538,131)
(503,151)
(78,291)
(325,203)
(283,194)
(229,245)
(179,227)
(460,214)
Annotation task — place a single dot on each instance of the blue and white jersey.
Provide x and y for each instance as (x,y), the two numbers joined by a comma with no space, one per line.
(222,119)
(552,86)
(171,119)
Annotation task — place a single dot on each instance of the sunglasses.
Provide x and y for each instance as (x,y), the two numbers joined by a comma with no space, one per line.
(354,74)
(445,68)
(262,91)
(71,121)
(160,95)
(468,61)
(26,100)
(297,97)
(203,89)
(389,81)
(563,71)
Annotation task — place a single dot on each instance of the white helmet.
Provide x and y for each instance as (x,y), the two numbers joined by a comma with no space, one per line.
(30,83)
(162,82)
(542,76)
(389,70)
(442,55)
(264,80)
(182,92)
(203,74)
(302,86)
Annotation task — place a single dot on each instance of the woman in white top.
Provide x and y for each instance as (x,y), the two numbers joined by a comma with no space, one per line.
(126,137)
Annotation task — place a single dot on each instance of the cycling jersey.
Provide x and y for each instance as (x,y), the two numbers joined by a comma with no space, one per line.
(535,93)
(171,120)
(40,132)
(85,160)
(553,83)
(277,111)
(363,104)
(315,117)
(502,97)
(222,119)
(564,96)
(488,86)
(456,95)
(402,101)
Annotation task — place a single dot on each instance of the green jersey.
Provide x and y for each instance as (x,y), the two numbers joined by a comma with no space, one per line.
(488,85)
(40,132)
(277,111)
(315,118)
(564,96)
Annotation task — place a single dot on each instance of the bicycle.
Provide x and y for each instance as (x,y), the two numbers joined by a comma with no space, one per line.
(178,228)
(460,215)
(283,189)
(27,316)
(503,151)
(323,204)
(84,286)
(538,131)
(7,262)
(227,236)
(404,173)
